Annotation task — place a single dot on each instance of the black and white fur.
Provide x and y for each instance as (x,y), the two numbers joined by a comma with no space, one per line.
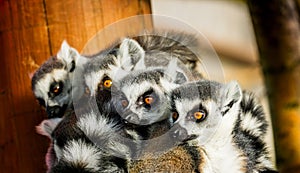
(156,47)
(58,71)
(130,56)
(230,142)
(94,72)
(145,51)
(154,82)
(84,144)
(144,123)
(142,66)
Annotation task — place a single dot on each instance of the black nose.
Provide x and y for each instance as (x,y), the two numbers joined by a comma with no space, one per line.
(179,133)
(54,112)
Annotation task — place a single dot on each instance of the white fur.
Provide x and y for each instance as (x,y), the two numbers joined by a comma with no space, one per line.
(81,153)
(43,85)
(77,78)
(265,162)
(129,48)
(96,125)
(168,85)
(221,150)
(117,73)
(140,65)
(67,54)
(215,132)
(184,106)
(93,79)
(134,91)
(172,69)
(252,124)
(231,91)
(225,158)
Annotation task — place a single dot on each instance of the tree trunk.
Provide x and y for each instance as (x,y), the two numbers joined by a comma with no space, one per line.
(276,25)
(31,31)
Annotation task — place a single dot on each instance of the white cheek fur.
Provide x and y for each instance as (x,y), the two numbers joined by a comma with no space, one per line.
(43,85)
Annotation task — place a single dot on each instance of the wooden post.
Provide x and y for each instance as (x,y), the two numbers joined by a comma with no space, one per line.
(277,30)
(31,31)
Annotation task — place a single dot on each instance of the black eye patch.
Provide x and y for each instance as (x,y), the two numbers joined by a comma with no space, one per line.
(197,114)
(41,102)
(148,100)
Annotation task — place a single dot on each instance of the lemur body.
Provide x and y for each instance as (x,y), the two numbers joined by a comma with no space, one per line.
(218,118)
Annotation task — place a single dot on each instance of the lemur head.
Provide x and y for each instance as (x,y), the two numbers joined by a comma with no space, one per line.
(99,71)
(51,83)
(205,109)
(143,99)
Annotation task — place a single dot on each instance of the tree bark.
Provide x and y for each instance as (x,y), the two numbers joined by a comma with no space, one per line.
(31,31)
(276,25)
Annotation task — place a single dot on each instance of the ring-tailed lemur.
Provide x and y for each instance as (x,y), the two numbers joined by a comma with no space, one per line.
(84,144)
(101,74)
(219,118)
(52,83)
(141,99)
(147,50)
(99,63)
(128,51)
(131,56)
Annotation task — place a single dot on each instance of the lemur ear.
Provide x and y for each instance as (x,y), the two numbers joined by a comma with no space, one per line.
(172,76)
(68,56)
(231,93)
(175,73)
(47,126)
(131,54)
(140,64)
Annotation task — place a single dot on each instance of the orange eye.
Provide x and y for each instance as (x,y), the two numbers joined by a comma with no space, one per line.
(56,88)
(174,116)
(199,115)
(148,100)
(107,83)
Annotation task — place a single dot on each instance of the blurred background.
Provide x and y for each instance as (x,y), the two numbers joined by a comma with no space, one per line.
(32,31)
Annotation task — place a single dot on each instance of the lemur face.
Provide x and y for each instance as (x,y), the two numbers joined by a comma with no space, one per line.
(200,107)
(52,82)
(53,91)
(144,97)
(143,100)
